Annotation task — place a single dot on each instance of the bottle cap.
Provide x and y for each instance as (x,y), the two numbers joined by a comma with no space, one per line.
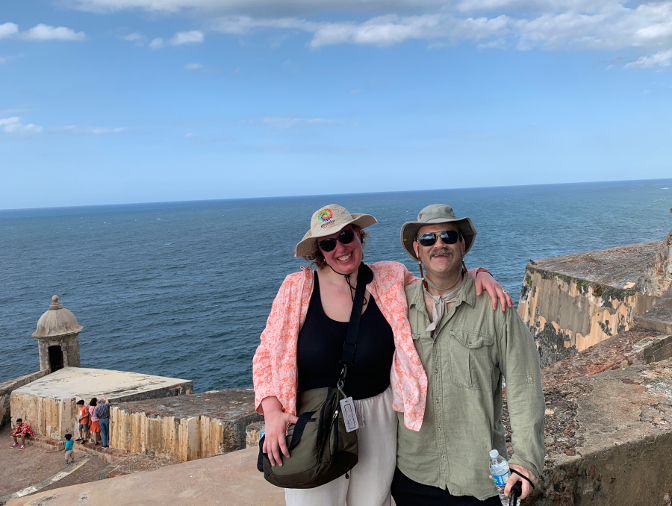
(494,454)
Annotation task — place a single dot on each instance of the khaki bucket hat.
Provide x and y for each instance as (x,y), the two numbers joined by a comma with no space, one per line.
(436,213)
(326,221)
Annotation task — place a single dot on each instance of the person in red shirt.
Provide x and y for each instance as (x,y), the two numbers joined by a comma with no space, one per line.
(84,421)
(21,430)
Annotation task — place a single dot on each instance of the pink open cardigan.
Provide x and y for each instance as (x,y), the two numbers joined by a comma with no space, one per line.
(274,368)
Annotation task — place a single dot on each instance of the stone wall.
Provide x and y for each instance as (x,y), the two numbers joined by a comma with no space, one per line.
(184,428)
(656,280)
(576,301)
(8,387)
(609,438)
(49,404)
(568,315)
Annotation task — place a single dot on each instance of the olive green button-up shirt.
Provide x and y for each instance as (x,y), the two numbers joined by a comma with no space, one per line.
(475,348)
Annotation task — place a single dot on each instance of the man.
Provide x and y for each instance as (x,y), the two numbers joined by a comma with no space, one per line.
(467,350)
(21,430)
(102,412)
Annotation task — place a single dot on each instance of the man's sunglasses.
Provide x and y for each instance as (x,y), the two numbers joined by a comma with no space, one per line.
(344,237)
(447,237)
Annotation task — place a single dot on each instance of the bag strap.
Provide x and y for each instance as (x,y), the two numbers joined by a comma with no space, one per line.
(298,428)
(364,277)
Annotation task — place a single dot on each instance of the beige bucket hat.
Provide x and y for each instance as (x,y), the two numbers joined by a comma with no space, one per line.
(326,221)
(436,213)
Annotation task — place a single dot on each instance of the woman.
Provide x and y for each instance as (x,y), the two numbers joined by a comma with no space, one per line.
(95,426)
(302,343)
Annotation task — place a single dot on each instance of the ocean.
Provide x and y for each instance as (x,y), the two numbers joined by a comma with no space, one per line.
(184,289)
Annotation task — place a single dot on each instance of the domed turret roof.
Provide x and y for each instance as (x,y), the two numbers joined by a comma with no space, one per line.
(57,322)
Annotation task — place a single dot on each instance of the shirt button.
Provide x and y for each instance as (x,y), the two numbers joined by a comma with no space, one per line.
(443,456)
(439,428)
(436,370)
(437,401)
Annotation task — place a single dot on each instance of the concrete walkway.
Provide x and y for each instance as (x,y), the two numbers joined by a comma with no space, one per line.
(36,465)
(230,479)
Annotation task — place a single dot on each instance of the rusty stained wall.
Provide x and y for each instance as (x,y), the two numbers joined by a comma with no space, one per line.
(179,439)
(568,315)
(46,416)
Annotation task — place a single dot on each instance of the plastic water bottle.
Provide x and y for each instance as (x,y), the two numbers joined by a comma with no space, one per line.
(499,469)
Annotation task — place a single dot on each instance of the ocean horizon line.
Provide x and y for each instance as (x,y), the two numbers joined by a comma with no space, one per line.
(283,197)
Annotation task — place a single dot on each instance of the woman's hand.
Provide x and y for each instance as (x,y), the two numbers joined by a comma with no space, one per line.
(498,295)
(276,421)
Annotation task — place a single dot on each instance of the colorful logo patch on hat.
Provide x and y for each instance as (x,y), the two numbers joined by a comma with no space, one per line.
(325,214)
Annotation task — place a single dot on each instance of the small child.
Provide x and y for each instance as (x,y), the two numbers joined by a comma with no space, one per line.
(69,455)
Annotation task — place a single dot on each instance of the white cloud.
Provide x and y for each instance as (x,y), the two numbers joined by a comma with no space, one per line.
(194,36)
(46,32)
(285,123)
(282,7)
(13,125)
(8,29)
(191,37)
(193,67)
(602,25)
(71,129)
(660,59)
(132,37)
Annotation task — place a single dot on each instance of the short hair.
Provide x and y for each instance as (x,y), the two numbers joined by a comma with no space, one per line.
(68,437)
(317,257)
(93,401)
(19,420)
(81,402)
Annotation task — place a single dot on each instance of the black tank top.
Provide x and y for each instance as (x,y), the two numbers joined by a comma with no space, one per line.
(320,349)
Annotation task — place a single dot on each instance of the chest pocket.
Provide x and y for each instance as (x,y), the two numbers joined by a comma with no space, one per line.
(471,362)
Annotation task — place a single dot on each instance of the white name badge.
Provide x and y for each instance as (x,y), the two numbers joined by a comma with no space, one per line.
(349,414)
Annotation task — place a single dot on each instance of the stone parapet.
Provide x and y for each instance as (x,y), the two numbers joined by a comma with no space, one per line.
(609,439)
(637,346)
(575,301)
(6,389)
(184,428)
(49,404)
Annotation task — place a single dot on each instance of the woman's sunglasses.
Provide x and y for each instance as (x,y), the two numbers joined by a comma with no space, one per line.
(344,237)
(447,237)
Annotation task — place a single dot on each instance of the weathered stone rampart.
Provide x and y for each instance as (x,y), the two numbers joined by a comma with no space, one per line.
(608,434)
(8,387)
(49,404)
(184,428)
(575,301)
(609,439)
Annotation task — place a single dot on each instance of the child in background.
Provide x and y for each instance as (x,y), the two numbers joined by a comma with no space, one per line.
(84,418)
(22,430)
(69,454)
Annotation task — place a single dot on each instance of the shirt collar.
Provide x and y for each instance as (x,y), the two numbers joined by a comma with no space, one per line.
(468,295)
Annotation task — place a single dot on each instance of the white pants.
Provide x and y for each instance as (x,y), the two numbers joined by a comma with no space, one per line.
(370,480)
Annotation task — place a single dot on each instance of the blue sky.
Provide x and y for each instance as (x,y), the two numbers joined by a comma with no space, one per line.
(118,101)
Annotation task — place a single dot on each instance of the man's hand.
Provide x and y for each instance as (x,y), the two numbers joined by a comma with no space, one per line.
(498,295)
(276,422)
(514,478)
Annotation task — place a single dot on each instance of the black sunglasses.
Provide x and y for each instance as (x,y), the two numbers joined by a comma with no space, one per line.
(447,237)
(344,237)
